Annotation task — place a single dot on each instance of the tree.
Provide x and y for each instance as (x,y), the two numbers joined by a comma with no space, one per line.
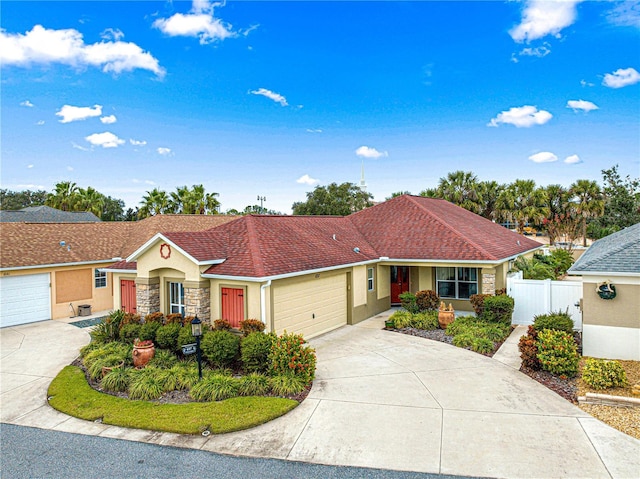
(461,188)
(155,202)
(489,192)
(113,209)
(560,218)
(89,200)
(64,197)
(589,202)
(16,200)
(522,203)
(334,199)
(397,193)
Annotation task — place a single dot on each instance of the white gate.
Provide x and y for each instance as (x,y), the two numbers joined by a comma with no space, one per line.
(533,297)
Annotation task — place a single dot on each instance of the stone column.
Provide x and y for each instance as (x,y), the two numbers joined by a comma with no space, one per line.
(147,295)
(197,299)
(488,281)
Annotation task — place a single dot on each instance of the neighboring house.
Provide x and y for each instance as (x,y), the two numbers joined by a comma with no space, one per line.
(48,269)
(46,214)
(611,327)
(312,274)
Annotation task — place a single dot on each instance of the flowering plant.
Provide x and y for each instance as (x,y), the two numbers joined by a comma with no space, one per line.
(142,344)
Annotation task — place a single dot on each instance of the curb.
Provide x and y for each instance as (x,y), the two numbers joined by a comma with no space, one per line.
(607,400)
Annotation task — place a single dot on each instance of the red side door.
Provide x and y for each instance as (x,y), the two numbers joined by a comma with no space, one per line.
(399,282)
(233,305)
(128,302)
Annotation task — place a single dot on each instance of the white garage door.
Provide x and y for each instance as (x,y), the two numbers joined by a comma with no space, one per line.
(311,307)
(24,299)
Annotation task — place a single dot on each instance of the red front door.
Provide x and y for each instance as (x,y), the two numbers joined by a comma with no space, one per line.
(399,282)
(233,305)
(128,302)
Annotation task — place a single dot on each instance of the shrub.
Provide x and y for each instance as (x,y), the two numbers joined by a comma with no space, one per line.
(148,331)
(477,303)
(464,340)
(163,359)
(186,374)
(220,347)
(287,385)
(427,300)
(426,320)
(557,352)
(559,321)
(254,351)
(167,336)
(146,385)
(249,326)
(401,319)
(108,361)
(123,351)
(156,317)
(109,328)
(130,318)
(529,349)
(498,309)
(603,374)
(254,384)
(461,324)
(174,318)
(290,356)
(129,332)
(501,291)
(215,387)
(117,380)
(185,337)
(221,325)
(482,345)
(408,302)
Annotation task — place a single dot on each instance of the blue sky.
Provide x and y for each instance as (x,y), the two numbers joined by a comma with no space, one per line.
(273,98)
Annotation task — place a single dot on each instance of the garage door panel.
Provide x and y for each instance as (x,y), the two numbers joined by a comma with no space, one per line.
(24,299)
(311,307)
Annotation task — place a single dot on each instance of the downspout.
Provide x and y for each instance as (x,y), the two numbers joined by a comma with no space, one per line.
(263,301)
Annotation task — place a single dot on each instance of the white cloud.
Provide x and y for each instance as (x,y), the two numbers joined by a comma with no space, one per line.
(314,130)
(44,47)
(105,140)
(75,113)
(29,166)
(149,182)
(137,142)
(621,77)
(277,97)
(625,14)
(80,147)
(69,168)
(107,120)
(40,122)
(163,151)
(367,152)
(26,103)
(306,180)
(583,105)
(541,51)
(522,117)
(572,160)
(112,34)
(543,157)
(199,23)
(585,83)
(544,17)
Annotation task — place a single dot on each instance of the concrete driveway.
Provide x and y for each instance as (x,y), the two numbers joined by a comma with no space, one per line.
(380,399)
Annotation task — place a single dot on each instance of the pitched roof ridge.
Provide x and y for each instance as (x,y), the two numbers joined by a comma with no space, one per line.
(254,245)
(443,222)
(609,246)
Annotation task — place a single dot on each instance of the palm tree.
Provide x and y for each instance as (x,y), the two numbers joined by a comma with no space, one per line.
(90,200)
(489,192)
(64,196)
(183,201)
(155,202)
(461,188)
(212,204)
(523,203)
(589,202)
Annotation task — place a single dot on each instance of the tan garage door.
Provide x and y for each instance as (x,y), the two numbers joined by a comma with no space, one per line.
(311,307)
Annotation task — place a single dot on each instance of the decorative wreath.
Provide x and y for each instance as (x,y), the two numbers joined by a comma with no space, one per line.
(606,290)
(165,251)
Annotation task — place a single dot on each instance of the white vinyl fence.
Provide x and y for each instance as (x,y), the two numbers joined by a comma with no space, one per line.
(533,297)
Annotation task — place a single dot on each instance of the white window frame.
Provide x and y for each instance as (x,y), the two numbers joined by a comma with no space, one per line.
(371,283)
(99,277)
(179,304)
(458,274)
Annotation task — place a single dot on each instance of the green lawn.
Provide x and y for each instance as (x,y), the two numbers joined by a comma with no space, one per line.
(71,394)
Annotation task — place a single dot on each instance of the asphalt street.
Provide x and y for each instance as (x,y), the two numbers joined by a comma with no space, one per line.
(39,453)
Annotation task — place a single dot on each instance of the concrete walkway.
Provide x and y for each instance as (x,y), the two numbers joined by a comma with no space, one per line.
(380,399)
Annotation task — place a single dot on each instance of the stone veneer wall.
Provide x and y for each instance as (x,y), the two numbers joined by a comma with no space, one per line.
(198,301)
(488,283)
(148,298)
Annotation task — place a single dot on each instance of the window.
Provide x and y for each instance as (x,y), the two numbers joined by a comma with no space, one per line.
(176,298)
(99,279)
(370,283)
(457,283)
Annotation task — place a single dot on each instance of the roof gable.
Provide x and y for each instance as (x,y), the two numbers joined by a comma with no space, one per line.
(616,253)
(46,214)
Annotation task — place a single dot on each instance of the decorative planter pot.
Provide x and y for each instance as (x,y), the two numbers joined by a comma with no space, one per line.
(142,355)
(389,324)
(106,370)
(445,318)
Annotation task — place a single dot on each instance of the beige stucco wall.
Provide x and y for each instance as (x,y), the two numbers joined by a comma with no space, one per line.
(622,311)
(359,286)
(101,298)
(150,264)
(251,297)
(383,284)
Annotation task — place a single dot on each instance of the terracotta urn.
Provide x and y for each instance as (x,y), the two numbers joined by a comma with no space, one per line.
(446,315)
(143,351)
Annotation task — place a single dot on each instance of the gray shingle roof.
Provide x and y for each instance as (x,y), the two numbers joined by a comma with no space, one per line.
(46,214)
(616,253)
